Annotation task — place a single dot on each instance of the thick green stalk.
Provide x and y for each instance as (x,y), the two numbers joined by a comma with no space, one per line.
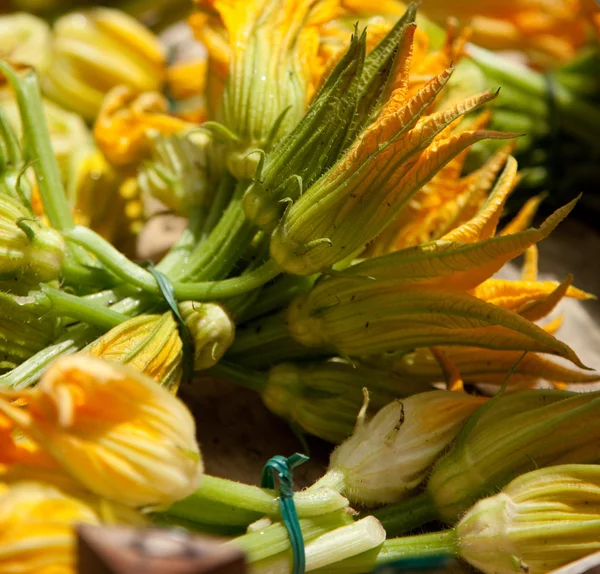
(204,511)
(261,500)
(253,380)
(330,548)
(403,553)
(215,257)
(39,147)
(274,538)
(227,288)
(73,307)
(407,515)
(267,341)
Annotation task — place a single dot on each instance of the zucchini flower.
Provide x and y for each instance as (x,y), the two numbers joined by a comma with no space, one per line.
(390,456)
(511,435)
(149,344)
(273,45)
(212,331)
(127,119)
(114,430)
(418,297)
(324,399)
(37,526)
(25,40)
(176,174)
(96,50)
(542,520)
(29,251)
(364,191)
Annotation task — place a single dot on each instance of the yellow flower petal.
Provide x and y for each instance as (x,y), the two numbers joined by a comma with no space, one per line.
(117,432)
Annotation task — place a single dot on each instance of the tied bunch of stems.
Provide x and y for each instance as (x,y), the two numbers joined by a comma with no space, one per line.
(339,259)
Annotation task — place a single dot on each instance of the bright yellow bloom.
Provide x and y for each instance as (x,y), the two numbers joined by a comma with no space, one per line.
(37,527)
(96,50)
(149,344)
(125,121)
(116,431)
(547,31)
(186,82)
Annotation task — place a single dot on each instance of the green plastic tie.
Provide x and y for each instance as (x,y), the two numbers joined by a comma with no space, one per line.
(284,467)
(187,343)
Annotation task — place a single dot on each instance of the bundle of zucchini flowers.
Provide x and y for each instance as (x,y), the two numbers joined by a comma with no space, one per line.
(338,259)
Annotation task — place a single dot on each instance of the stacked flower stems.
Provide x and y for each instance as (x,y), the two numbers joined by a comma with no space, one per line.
(344,169)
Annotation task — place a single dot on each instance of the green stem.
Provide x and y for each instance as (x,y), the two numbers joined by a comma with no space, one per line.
(28,373)
(78,275)
(326,551)
(334,479)
(39,147)
(278,295)
(267,341)
(274,538)
(582,118)
(404,553)
(113,259)
(407,515)
(204,511)
(216,257)
(261,500)
(226,288)
(75,339)
(253,380)
(169,521)
(60,303)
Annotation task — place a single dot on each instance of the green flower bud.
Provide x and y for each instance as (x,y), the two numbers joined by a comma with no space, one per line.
(541,521)
(511,435)
(176,176)
(311,147)
(30,253)
(149,344)
(389,457)
(25,329)
(364,191)
(324,399)
(212,331)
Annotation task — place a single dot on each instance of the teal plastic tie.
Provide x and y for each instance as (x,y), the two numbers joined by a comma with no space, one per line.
(187,343)
(284,467)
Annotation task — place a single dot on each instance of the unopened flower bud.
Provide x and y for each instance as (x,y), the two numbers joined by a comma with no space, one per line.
(29,251)
(149,344)
(37,526)
(176,175)
(116,431)
(96,50)
(212,331)
(24,40)
(510,435)
(389,456)
(364,191)
(324,399)
(541,521)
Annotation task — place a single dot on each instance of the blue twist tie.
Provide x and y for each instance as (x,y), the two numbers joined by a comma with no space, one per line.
(284,467)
